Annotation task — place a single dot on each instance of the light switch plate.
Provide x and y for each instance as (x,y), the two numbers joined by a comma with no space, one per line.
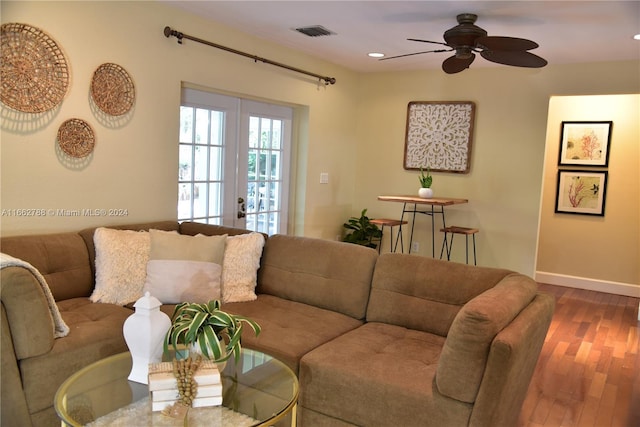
(324,177)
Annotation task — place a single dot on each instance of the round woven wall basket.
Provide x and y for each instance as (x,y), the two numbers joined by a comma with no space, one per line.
(76,138)
(112,89)
(33,70)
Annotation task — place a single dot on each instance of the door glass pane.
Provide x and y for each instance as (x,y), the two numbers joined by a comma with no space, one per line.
(184,163)
(215,194)
(199,200)
(200,163)
(215,165)
(186,124)
(277,137)
(184,201)
(202,126)
(254,132)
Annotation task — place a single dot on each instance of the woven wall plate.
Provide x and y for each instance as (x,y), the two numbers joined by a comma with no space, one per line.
(112,89)
(76,138)
(34,74)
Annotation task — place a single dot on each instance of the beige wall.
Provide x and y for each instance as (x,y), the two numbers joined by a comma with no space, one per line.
(353,130)
(504,184)
(134,162)
(582,249)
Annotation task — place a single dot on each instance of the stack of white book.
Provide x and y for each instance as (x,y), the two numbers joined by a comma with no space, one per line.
(164,388)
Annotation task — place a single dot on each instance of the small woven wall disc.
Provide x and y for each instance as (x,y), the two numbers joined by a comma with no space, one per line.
(33,70)
(112,89)
(76,138)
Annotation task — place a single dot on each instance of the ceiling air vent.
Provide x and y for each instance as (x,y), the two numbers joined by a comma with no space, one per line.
(314,31)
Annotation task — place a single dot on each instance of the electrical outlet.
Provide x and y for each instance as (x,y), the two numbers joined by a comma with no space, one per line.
(415,247)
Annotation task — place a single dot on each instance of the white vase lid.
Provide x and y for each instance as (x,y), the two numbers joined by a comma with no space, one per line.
(147,302)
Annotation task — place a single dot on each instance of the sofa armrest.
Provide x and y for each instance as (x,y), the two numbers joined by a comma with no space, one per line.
(28,315)
(512,360)
(466,350)
(13,409)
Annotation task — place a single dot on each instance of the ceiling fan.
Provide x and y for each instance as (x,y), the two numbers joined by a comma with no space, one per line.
(467,38)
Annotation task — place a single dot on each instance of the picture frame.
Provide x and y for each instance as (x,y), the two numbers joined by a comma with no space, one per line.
(439,135)
(585,143)
(581,192)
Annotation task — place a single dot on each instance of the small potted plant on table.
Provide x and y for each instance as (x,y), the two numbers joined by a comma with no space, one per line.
(425,190)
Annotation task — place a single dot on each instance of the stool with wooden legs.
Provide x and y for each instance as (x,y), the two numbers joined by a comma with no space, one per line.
(384,222)
(448,244)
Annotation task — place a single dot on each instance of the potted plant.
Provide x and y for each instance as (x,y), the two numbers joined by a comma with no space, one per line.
(362,231)
(425,190)
(204,327)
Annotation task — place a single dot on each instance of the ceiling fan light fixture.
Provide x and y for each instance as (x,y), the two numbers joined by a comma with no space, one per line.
(463,53)
(376,55)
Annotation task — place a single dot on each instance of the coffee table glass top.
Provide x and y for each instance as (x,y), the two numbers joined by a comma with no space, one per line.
(259,390)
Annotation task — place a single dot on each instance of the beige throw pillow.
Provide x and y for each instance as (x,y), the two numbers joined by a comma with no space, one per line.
(185,268)
(240,267)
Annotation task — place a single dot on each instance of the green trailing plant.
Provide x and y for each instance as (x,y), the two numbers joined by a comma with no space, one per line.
(425,180)
(361,231)
(216,332)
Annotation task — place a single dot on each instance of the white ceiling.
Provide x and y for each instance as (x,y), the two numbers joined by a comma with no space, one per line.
(567,31)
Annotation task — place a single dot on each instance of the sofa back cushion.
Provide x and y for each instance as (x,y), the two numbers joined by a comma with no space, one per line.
(423,293)
(327,274)
(62,259)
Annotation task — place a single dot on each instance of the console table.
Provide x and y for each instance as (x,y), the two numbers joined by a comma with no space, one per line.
(434,206)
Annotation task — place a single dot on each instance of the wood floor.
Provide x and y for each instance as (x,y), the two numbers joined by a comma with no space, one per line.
(588,374)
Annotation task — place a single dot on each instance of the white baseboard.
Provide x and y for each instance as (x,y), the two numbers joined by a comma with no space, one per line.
(617,288)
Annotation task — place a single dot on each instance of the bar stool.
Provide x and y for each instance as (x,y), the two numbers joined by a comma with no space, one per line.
(385,222)
(453,230)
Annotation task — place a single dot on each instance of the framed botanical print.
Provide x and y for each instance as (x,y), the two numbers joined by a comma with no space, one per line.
(581,192)
(585,143)
(439,136)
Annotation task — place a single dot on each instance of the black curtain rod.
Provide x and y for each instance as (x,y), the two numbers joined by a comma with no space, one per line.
(168,32)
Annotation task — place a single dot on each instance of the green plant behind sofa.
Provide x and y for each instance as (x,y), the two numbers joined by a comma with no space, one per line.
(362,231)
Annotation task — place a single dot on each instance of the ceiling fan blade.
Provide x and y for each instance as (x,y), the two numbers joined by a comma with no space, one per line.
(505,43)
(515,58)
(415,53)
(454,64)
(427,41)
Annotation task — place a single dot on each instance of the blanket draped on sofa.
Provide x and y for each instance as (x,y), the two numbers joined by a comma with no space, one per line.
(60,327)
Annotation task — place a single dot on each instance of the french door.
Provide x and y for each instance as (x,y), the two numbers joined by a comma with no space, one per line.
(234,161)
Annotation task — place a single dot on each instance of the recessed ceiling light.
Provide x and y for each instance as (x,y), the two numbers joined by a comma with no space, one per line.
(376,54)
(637,37)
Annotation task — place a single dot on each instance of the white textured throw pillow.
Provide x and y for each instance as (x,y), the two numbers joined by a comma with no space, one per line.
(240,267)
(121,265)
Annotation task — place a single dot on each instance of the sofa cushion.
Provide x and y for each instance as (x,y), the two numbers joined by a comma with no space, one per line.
(240,267)
(322,273)
(61,258)
(374,365)
(290,329)
(424,293)
(121,265)
(466,350)
(96,332)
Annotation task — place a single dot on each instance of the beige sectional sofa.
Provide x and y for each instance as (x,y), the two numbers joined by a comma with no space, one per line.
(376,340)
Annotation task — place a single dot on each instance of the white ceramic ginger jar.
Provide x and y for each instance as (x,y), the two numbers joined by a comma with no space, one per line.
(144,332)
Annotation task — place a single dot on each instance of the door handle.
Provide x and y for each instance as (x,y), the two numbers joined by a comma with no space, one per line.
(241,208)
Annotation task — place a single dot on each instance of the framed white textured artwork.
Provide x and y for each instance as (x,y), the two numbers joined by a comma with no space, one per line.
(439,136)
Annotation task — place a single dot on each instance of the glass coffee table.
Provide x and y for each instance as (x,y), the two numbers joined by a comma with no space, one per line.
(258,391)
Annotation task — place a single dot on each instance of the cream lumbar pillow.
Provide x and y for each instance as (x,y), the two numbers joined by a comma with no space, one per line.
(240,267)
(184,268)
(121,262)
